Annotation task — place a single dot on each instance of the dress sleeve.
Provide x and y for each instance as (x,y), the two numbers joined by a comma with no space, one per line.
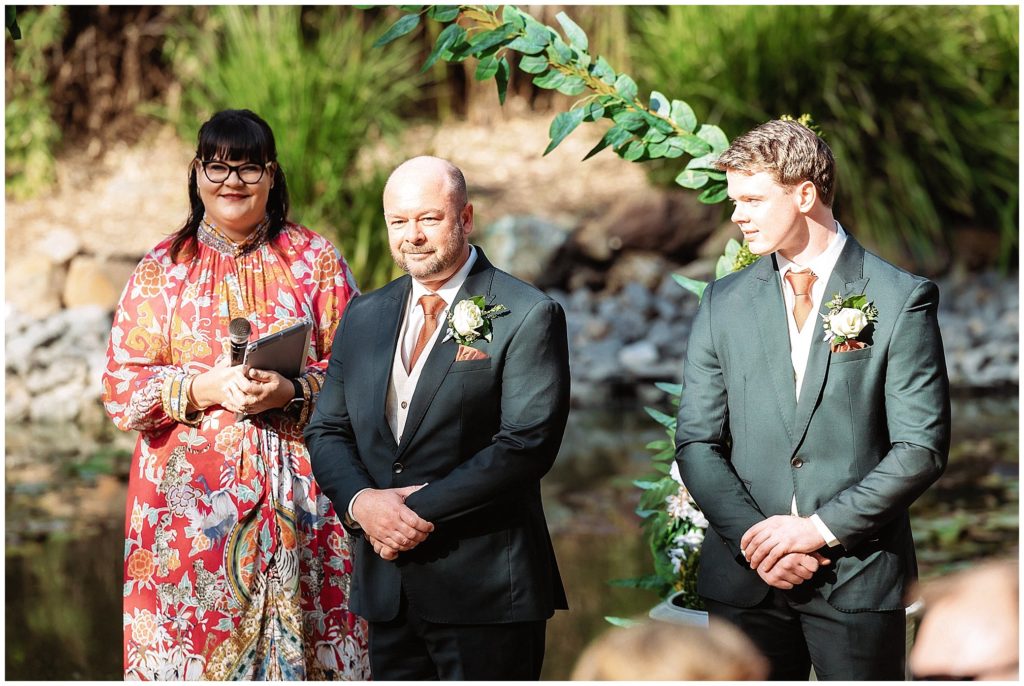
(142,389)
(334,286)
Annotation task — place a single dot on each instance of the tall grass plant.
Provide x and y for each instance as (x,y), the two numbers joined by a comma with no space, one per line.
(31,134)
(313,75)
(919,104)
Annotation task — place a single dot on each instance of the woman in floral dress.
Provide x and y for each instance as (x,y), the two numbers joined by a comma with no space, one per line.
(236,566)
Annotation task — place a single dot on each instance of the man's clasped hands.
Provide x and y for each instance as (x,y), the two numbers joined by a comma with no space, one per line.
(783,550)
(388,523)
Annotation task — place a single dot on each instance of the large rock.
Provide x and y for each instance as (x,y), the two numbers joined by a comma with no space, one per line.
(34,286)
(671,222)
(523,245)
(92,281)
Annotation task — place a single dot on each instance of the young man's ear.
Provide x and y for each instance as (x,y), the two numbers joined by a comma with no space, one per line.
(807,194)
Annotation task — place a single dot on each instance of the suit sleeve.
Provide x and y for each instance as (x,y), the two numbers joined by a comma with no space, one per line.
(918,416)
(703,437)
(534,410)
(337,467)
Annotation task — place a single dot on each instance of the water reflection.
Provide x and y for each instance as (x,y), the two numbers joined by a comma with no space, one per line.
(65,510)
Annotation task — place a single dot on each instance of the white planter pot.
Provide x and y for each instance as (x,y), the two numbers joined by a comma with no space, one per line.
(668,611)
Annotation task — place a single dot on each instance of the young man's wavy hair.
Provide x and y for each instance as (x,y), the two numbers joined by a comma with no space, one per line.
(788,151)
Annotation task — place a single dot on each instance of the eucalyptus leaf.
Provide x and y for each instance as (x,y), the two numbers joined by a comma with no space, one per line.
(693,285)
(703,162)
(604,71)
(593,110)
(444,13)
(629,120)
(659,104)
(533,64)
(486,68)
(551,79)
(634,151)
(447,38)
(714,137)
(573,32)
(683,115)
(715,193)
(659,416)
(573,85)
(692,179)
(614,136)
(482,42)
(693,145)
(656,150)
(501,78)
(562,125)
(401,27)
(626,87)
(560,51)
(510,14)
(673,389)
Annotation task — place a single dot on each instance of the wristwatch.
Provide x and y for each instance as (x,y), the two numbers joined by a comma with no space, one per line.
(293,407)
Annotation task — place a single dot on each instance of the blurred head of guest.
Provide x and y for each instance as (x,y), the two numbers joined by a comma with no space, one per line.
(969,628)
(659,651)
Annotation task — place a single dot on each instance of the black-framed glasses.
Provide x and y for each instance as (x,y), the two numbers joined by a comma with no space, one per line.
(218,172)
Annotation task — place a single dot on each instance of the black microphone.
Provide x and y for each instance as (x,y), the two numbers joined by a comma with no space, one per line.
(239,329)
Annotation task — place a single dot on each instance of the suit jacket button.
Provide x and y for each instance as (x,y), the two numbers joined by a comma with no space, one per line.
(797,463)
(397,467)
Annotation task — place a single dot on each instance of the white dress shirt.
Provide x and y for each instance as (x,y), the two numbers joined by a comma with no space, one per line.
(402,381)
(800,341)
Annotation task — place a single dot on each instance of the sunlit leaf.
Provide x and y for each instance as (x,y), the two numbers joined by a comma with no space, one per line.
(562,125)
(401,27)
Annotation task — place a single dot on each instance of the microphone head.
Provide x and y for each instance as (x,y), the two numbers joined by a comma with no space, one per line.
(239,329)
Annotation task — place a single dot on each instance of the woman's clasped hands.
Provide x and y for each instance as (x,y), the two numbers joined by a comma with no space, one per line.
(240,388)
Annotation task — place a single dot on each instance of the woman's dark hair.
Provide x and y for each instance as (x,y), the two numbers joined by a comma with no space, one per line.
(234,135)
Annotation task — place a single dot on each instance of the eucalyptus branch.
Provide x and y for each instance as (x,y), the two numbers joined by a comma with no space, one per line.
(641,129)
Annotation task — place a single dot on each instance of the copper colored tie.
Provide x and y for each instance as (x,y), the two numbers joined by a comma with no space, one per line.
(432,306)
(801,283)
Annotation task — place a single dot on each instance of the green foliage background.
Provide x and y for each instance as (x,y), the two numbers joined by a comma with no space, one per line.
(919,103)
(314,77)
(31,132)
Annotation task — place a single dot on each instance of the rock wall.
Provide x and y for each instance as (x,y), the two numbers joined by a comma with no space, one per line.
(621,339)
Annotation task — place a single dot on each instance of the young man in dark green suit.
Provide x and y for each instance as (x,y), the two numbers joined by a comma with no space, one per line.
(432,433)
(810,420)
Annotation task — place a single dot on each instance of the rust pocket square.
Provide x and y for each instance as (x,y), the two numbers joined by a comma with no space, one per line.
(848,345)
(467,353)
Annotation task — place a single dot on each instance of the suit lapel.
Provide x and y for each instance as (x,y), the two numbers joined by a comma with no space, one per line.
(442,354)
(389,323)
(848,279)
(774,334)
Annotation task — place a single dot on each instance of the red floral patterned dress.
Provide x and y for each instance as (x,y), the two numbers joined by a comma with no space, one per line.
(236,566)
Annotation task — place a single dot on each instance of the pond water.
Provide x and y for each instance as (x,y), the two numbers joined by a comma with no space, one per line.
(65,501)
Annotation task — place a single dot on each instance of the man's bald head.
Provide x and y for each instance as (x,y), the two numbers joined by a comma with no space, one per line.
(429,219)
(427,169)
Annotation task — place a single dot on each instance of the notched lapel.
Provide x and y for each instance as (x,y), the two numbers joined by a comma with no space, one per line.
(774,334)
(389,323)
(847,279)
(442,355)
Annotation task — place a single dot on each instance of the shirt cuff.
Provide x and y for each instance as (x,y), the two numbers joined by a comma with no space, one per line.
(349,517)
(830,539)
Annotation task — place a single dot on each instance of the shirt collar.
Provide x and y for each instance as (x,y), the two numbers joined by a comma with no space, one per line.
(451,287)
(821,264)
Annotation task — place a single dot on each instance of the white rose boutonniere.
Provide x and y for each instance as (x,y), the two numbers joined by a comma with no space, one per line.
(847,319)
(470,319)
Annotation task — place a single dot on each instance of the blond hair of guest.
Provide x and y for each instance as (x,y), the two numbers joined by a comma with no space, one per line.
(658,651)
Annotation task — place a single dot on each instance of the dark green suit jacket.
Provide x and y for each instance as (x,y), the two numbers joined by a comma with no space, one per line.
(868,436)
(481,433)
